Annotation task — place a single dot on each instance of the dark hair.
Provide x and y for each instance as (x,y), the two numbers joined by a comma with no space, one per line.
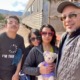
(15,17)
(34,31)
(53,42)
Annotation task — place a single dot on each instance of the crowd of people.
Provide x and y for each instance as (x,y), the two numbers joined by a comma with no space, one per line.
(14,57)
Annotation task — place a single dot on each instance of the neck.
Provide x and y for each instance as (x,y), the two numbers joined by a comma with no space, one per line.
(46,44)
(47,47)
(11,35)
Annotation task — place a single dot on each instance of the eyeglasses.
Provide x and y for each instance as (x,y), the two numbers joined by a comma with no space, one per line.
(35,38)
(49,33)
(71,16)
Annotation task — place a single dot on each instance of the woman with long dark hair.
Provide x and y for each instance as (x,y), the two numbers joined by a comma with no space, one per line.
(48,41)
(34,39)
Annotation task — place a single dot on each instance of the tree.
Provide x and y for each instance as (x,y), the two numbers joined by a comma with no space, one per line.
(1,17)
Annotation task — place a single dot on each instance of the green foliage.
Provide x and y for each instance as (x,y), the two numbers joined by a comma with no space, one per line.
(2,20)
(1,17)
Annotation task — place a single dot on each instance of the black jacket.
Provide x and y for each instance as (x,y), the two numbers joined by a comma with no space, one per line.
(35,57)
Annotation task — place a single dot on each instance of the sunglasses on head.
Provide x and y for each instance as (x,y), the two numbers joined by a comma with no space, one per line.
(47,33)
(35,38)
(71,16)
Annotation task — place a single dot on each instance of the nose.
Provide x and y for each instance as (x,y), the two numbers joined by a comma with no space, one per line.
(47,35)
(13,23)
(36,39)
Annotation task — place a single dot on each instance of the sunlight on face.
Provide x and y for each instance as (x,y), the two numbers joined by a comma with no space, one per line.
(12,25)
(71,23)
(46,38)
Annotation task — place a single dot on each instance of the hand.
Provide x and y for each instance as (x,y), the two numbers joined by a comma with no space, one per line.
(47,69)
(15,77)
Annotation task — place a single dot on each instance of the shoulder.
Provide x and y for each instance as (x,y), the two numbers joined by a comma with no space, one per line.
(78,39)
(34,49)
(64,35)
(19,36)
(2,35)
(28,48)
(37,49)
(56,49)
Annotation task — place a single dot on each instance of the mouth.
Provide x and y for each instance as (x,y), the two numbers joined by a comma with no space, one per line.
(69,26)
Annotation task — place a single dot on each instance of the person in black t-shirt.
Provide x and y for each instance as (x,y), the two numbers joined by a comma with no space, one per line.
(10,43)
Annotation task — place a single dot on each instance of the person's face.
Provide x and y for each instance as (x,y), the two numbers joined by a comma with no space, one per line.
(35,40)
(12,25)
(71,18)
(47,35)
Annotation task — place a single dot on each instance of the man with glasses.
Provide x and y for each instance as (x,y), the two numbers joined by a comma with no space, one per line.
(68,66)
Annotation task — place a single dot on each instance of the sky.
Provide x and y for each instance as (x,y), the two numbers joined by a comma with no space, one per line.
(13,5)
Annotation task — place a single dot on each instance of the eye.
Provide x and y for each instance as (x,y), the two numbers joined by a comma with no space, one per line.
(62,18)
(72,15)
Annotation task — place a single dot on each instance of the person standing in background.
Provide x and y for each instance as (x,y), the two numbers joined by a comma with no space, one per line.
(10,43)
(68,66)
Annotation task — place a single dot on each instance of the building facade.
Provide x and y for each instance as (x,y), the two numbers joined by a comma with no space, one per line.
(39,12)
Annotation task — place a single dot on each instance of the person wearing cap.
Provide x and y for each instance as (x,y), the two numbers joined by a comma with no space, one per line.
(68,66)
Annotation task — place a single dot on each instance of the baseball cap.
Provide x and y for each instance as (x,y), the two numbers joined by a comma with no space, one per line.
(67,3)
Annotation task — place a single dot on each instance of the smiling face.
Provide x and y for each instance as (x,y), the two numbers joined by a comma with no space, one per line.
(71,20)
(35,40)
(47,35)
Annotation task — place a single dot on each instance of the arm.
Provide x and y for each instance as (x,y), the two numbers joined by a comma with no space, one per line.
(47,69)
(16,75)
(21,50)
(30,65)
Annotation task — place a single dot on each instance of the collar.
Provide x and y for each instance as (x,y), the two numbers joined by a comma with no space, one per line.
(75,33)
